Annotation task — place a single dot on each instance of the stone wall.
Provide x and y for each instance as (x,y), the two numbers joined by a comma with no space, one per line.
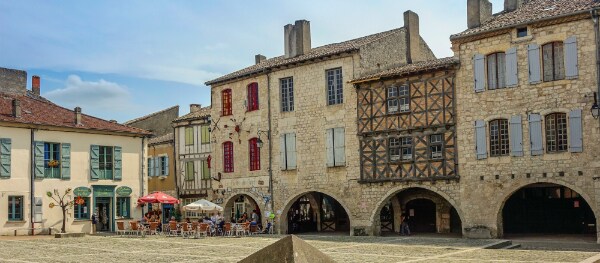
(13,80)
(158,123)
(486,184)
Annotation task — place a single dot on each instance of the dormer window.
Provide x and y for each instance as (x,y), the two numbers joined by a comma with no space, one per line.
(521,32)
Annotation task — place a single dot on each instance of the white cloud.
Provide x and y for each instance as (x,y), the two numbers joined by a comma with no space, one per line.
(98,98)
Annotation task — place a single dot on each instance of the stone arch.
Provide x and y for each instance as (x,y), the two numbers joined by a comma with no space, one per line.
(500,207)
(282,223)
(258,200)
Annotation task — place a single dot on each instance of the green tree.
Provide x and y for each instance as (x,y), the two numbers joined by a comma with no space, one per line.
(64,204)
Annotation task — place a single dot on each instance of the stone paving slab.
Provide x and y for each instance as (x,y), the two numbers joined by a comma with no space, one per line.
(216,250)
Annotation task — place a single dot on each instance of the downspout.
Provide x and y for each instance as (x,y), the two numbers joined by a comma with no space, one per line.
(143,168)
(594,14)
(270,144)
(32,183)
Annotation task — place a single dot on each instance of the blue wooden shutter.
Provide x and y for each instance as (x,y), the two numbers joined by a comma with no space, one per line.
(479,72)
(38,157)
(533,55)
(571,65)
(150,167)
(516,136)
(339,143)
(535,134)
(282,155)
(576,134)
(329,145)
(290,145)
(166,165)
(512,78)
(5,151)
(118,166)
(65,161)
(480,140)
(94,162)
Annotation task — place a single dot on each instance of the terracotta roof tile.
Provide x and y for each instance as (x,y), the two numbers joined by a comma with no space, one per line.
(39,111)
(318,52)
(531,11)
(201,113)
(410,69)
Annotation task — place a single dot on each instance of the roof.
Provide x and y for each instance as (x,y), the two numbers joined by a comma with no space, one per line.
(149,115)
(36,110)
(314,53)
(533,10)
(201,113)
(410,69)
(161,139)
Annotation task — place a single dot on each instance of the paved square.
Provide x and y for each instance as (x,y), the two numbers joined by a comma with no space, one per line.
(340,248)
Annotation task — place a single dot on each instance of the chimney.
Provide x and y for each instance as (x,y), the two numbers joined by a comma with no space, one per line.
(259,58)
(35,84)
(195,107)
(478,12)
(512,5)
(16,108)
(77,115)
(413,38)
(297,38)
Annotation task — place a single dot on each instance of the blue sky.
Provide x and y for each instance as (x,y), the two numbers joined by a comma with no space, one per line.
(125,59)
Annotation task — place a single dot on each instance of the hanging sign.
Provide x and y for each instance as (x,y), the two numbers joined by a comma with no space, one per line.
(82,191)
(124,191)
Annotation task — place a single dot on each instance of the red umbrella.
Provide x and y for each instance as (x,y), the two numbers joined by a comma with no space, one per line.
(158,197)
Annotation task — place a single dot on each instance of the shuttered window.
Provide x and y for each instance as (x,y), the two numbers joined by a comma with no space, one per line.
(106,162)
(226,102)
(499,142)
(190,171)
(335,90)
(535,134)
(496,71)
(254,153)
(15,208)
(204,134)
(228,157)
(336,155)
(533,59)
(287,150)
(52,160)
(5,153)
(252,91)
(571,60)
(479,72)
(553,62)
(287,94)
(556,132)
(512,76)
(480,141)
(516,136)
(576,134)
(189,135)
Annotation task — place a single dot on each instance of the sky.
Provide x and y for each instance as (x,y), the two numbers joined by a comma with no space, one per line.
(125,59)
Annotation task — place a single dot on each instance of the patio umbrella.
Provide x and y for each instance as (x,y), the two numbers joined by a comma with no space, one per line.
(158,197)
(203,205)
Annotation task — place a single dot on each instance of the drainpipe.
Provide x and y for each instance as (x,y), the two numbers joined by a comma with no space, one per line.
(594,14)
(32,183)
(270,143)
(143,157)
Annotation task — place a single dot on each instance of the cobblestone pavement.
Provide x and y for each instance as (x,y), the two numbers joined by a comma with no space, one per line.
(340,248)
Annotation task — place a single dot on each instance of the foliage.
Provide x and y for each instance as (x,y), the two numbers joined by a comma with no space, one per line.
(64,204)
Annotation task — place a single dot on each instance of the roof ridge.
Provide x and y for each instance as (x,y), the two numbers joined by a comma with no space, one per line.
(149,115)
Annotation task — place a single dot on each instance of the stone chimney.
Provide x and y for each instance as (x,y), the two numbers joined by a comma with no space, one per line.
(16,110)
(77,115)
(195,107)
(512,5)
(297,38)
(259,58)
(35,84)
(413,38)
(478,12)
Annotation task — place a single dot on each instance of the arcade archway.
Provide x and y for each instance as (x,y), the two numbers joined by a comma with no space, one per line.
(315,212)
(241,204)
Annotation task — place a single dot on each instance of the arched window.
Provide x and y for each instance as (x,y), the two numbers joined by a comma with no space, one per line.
(254,152)
(252,96)
(496,71)
(226,102)
(228,157)
(553,60)
(556,132)
(499,142)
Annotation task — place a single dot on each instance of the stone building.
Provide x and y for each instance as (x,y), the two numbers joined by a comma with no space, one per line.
(159,123)
(285,130)
(527,141)
(45,147)
(193,156)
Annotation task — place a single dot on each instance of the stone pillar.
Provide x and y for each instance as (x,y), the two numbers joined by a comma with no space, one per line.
(478,12)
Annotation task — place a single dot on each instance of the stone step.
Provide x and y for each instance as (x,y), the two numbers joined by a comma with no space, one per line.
(499,244)
(513,246)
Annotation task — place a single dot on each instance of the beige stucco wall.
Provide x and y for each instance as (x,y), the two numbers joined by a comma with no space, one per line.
(483,200)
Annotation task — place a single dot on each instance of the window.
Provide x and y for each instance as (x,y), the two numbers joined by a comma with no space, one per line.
(394,149)
(288,151)
(436,146)
(406,148)
(398,99)
(123,207)
(254,152)
(81,211)
(556,132)
(163,166)
(189,171)
(336,147)
(15,208)
(190,214)
(522,32)
(287,94)
(228,157)
(205,134)
(226,102)
(335,89)
(189,135)
(499,144)
(150,167)
(51,160)
(106,162)
(205,170)
(252,96)
(496,69)
(553,61)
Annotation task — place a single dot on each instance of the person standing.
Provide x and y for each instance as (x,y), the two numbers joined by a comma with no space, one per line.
(404,229)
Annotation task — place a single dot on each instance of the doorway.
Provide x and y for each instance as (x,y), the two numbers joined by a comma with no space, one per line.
(103,208)
(421,215)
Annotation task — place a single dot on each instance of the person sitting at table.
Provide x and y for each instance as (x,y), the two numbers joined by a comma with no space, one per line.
(187,220)
(153,218)
(173,220)
(244,218)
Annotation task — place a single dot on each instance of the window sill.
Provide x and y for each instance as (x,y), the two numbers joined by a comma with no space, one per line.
(162,177)
(16,221)
(398,113)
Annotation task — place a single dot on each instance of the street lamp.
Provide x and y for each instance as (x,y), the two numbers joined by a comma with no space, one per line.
(260,142)
(595,109)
